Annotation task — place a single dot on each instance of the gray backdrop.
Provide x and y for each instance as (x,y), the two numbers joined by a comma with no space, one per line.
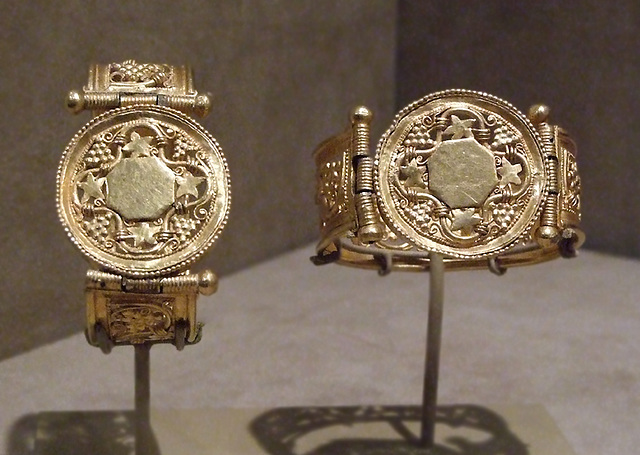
(284,75)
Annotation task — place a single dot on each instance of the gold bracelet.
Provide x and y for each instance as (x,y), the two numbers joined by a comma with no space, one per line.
(459,173)
(143,192)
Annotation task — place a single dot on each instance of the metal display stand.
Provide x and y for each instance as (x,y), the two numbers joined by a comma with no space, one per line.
(385,260)
(432,360)
(434,342)
(142,414)
(144,442)
(434,324)
(167,309)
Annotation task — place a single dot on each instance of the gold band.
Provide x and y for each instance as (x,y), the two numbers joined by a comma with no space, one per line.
(143,191)
(351,197)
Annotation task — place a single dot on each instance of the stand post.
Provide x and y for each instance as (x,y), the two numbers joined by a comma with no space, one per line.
(432,362)
(142,413)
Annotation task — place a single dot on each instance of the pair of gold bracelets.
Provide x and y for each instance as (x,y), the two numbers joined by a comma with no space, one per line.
(144,191)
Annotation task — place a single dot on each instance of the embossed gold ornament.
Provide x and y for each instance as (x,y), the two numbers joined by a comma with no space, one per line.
(143,191)
(459,173)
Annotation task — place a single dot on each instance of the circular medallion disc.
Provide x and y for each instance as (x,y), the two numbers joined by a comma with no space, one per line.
(460,173)
(143,190)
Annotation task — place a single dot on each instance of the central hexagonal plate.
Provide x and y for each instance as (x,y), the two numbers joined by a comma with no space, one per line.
(462,173)
(140,188)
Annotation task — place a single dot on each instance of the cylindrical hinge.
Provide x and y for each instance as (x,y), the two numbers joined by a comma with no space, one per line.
(370,228)
(364,175)
(548,232)
(361,118)
(78,101)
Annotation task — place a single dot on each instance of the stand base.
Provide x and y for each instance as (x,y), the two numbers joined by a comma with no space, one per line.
(366,430)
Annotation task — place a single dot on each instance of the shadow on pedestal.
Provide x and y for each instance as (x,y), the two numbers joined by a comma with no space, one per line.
(356,430)
(76,433)
(461,430)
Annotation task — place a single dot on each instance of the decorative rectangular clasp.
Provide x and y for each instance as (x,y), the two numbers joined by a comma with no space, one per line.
(123,311)
(131,83)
